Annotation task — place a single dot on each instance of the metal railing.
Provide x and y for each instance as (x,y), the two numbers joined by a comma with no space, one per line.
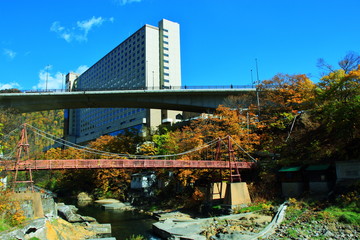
(184,87)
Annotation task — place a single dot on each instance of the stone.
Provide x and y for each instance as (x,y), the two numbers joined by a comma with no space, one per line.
(83,196)
(88,219)
(107,201)
(99,228)
(110,238)
(68,212)
(118,205)
(32,229)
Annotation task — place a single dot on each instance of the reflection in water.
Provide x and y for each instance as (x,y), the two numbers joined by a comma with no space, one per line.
(123,223)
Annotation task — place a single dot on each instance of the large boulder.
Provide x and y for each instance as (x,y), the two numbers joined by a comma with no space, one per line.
(34,226)
(84,197)
(68,212)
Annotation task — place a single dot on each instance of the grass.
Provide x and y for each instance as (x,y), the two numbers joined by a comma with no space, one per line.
(264,208)
(303,216)
(136,237)
(4,225)
(342,215)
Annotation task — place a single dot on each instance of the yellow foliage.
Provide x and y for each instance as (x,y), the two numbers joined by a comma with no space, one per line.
(10,210)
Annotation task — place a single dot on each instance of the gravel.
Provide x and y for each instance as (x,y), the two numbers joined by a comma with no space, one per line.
(316,230)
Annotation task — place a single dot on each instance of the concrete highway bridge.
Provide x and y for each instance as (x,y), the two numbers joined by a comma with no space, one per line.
(192,100)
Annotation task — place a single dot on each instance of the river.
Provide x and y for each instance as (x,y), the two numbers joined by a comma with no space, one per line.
(123,223)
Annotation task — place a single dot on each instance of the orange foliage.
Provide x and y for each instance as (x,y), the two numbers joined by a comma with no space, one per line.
(291,93)
(10,211)
(224,122)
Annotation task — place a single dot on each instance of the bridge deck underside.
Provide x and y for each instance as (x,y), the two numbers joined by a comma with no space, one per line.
(122,163)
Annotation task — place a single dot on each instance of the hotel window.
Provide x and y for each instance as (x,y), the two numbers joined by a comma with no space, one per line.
(165,30)
(166,74)
(166,49)
(165,42)
(166,36)
(166,55)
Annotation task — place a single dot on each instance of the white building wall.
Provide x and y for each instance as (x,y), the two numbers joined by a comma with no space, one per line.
(149,58)
(152,57)
(170,62)
(170,53)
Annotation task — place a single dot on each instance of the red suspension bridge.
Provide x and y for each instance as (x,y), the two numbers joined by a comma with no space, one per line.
(224,157)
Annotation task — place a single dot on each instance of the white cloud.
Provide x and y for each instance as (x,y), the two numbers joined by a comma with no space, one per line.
(61,31)
(56,27)
(9,53)
(88,24)
(48,80)
(9,85)
(124,2)
(80,32)
(81,69)
(66,36)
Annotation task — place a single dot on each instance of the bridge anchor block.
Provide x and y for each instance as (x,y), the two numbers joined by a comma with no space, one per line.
(237,193)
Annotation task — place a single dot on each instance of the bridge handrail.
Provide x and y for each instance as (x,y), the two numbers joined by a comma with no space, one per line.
(58,164)
(133,88)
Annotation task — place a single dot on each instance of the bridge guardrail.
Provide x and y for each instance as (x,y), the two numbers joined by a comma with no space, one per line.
(123,88)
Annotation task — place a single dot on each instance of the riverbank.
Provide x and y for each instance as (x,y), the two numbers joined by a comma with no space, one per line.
(248,225)
(295,220)
(58,222)
(321,219)
(54,228)
(303,220)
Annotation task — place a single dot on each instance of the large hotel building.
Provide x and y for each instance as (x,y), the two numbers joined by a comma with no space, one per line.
(148,59)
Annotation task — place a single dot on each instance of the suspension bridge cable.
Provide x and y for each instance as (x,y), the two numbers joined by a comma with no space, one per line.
(63,141)
(10,133)
(243,150)
(95,151)
(10,154)
(90,150)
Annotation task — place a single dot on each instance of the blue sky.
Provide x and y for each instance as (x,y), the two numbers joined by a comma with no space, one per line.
(220,40)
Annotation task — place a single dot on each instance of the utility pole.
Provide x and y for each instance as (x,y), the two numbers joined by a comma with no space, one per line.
(47,78)
(257,87)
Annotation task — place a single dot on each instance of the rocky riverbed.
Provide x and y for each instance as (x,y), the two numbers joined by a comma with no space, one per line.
(66,225)
(252,226)
(315,230)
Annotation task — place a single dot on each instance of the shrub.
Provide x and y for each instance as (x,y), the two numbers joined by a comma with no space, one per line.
(136,237)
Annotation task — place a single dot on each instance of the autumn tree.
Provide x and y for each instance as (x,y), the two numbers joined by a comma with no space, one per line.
(348,63)
(338,110)
(114,182)
(206,130)
(330,129)
(283,99)
(10,210)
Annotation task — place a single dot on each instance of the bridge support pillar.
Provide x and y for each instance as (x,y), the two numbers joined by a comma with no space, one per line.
(236,194)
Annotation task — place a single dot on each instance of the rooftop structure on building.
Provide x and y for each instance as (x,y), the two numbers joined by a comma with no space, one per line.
(148,59)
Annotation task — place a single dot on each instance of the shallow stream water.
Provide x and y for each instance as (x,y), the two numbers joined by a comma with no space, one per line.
(123,223)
